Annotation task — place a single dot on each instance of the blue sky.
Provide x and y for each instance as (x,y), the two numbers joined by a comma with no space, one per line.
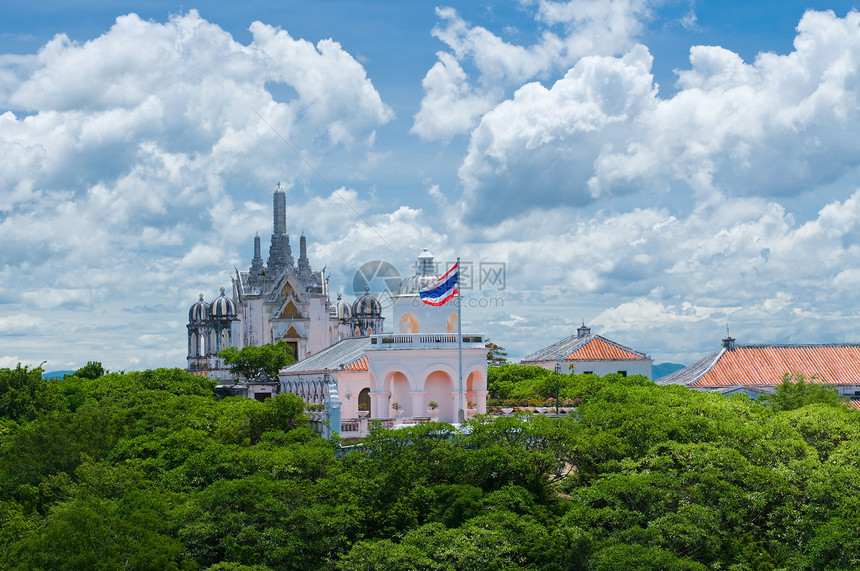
(659,170)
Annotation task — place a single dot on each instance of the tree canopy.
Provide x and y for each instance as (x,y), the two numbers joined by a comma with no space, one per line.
(795,392)
(92,370)
(249,361)
(148,470)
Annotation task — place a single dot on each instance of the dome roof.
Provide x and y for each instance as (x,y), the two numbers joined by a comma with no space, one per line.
(199,312)
(341,309)
(222,307)
(415,283)
(423,277)
(367,305)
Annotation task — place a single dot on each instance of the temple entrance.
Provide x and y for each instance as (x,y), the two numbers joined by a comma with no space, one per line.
(294,347)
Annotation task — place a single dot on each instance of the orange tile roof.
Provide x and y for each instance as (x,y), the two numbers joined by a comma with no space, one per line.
(765,365)
(598,348)
(357,365)
(853,403)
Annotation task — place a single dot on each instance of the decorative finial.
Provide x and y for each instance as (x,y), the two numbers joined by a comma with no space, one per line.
(222,291)
(201,297)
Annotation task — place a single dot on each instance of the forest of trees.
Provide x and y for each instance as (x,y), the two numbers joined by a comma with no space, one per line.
(148,470)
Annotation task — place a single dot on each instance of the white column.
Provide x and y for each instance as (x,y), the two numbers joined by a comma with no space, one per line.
(418,406)
(379,405)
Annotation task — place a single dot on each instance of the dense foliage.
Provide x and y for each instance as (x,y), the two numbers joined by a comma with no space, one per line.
(249,361)
(147,470)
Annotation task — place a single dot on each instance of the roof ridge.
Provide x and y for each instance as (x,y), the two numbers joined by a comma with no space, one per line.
(550,348)
(620,346)
(790,345)
(694,371)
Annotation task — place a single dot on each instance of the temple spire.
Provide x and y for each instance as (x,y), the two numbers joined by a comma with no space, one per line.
(280,254)
(257,262)
(304,265)
(280,210)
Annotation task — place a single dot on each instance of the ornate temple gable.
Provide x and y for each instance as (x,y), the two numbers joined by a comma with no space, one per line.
(287,290)
(288,286)
(292,333)
(290,311)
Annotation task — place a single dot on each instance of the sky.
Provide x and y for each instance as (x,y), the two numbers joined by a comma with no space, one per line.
(662,171)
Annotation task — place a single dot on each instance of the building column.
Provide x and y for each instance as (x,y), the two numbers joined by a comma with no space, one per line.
(418,406)
(480,401)
(379,405)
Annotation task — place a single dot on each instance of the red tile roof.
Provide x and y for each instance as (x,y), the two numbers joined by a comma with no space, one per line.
(765,365)
(599,348)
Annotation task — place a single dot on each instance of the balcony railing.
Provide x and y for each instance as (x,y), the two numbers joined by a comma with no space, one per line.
(423,341)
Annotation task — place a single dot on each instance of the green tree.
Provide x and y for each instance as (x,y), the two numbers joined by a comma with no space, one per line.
(24,394)
(90,532)
(283,412)
(795,392)
(249,361)
(509,380)
(92,370)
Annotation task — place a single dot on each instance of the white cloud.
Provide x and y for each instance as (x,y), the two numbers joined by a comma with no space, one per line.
(11,362)
(778,126)
(453,101)
(669,285)
(658,221)
(137,162)
(21,323)
(450,104)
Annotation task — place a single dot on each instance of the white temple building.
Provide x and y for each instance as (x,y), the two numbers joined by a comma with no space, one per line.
(281,300)
(344,358)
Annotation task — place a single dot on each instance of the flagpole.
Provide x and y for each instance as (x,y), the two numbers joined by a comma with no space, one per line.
(461,414)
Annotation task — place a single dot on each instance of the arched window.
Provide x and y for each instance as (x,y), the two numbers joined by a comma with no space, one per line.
(364,399)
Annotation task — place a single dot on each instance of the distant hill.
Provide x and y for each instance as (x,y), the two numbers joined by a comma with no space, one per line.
(664,369)
(56,374)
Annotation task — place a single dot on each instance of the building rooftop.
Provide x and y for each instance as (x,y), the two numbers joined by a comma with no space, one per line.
(345,355)
(584,346)
(764,365)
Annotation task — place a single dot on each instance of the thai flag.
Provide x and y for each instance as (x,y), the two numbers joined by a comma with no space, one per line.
(443,289)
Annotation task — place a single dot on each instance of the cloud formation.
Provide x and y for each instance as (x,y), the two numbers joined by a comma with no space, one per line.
(139,165)
(454,101)
(129,158)
(775,127)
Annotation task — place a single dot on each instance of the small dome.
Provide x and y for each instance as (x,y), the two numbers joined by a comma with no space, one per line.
(367,305)
(222,307)
(341,309)
(199,312)
(423,277)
